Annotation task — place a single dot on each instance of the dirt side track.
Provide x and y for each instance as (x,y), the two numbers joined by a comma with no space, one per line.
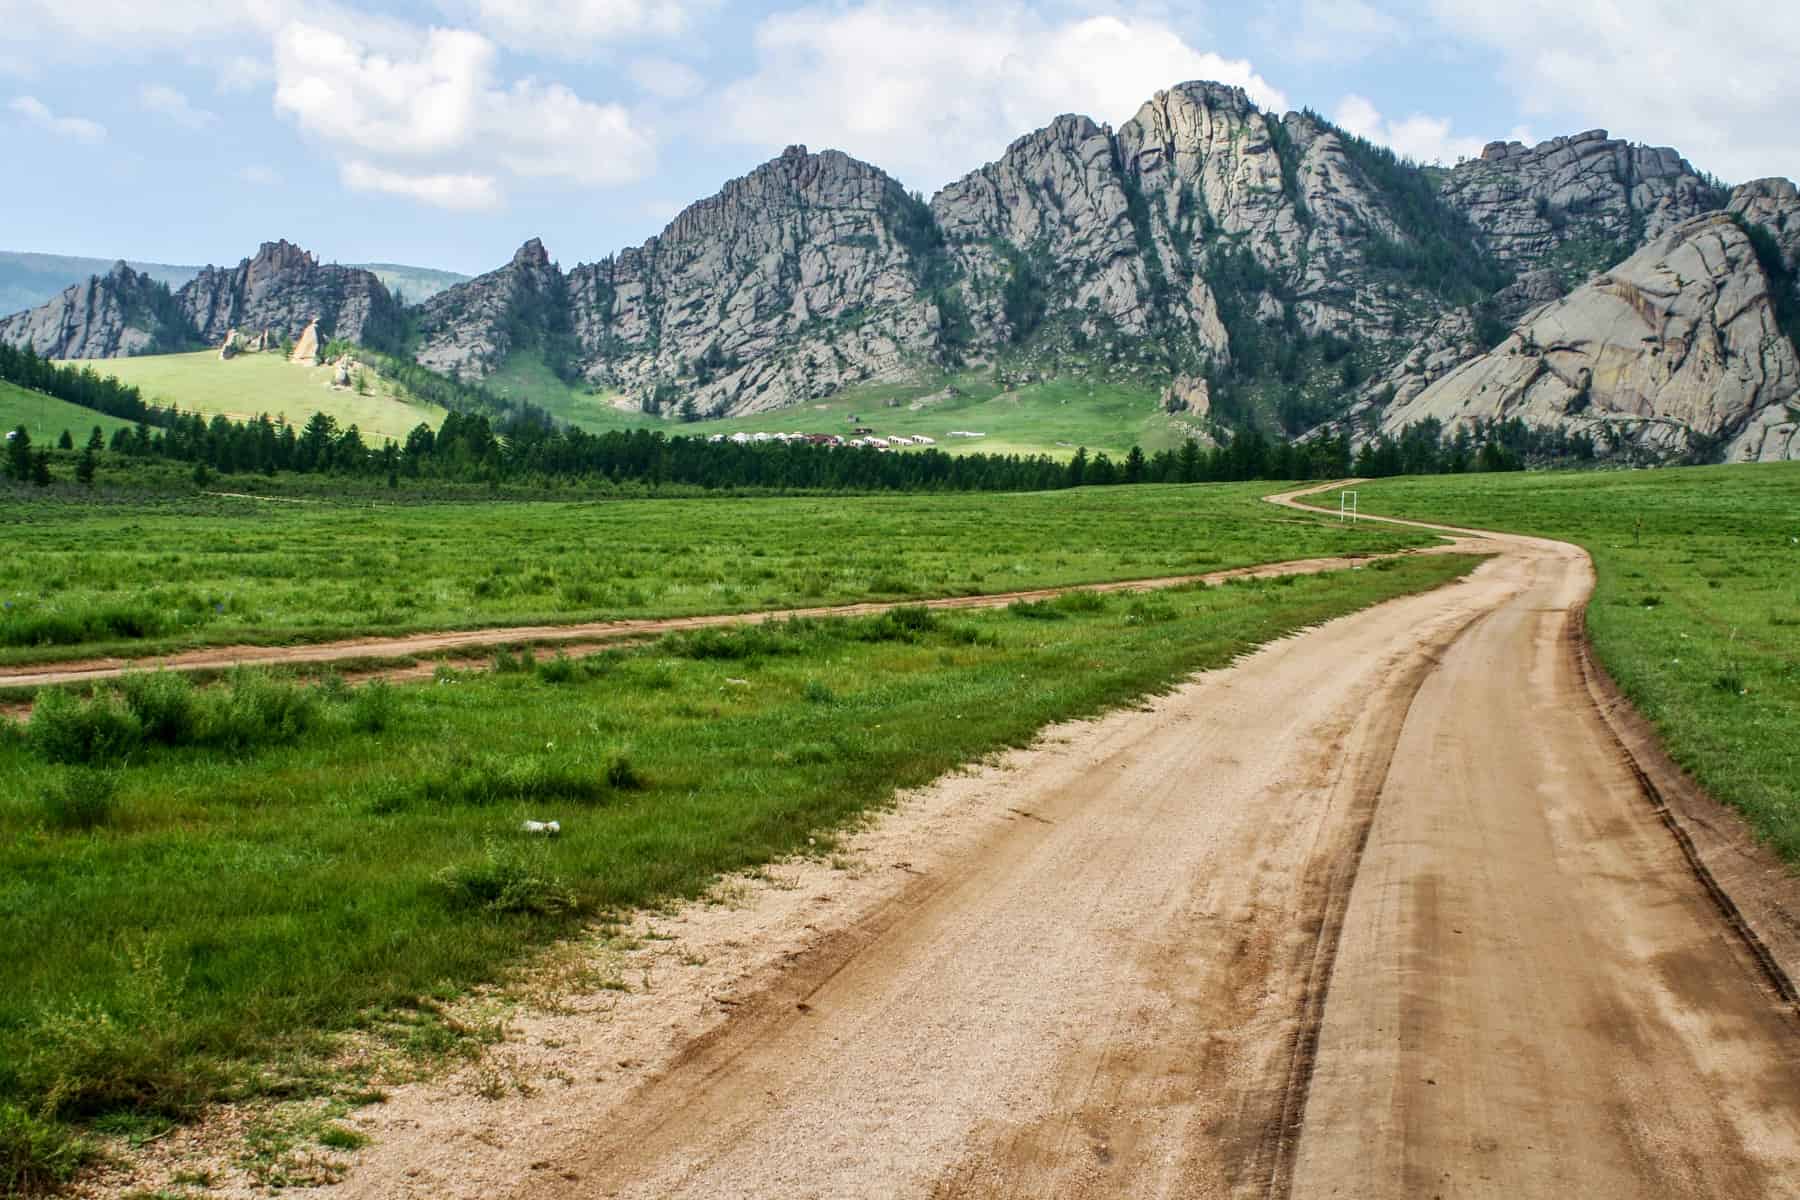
(595,634)
(1382,910)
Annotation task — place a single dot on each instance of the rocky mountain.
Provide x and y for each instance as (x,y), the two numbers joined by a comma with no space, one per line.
(109,316)
(282,289)
(1673,352)
(1576,204)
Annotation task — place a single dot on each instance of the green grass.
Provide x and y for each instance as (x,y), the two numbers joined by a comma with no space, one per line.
(81,579)
(1050,417)
(45,417)
(525,377)
(1696,612)
(237,904)
(253,384)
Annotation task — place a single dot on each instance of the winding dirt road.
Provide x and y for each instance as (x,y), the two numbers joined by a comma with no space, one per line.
(1383,910)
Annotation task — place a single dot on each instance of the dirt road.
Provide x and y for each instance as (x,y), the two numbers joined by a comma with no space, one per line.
(1383,910)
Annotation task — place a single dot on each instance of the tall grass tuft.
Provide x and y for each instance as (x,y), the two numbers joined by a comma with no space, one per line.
(67,729)
(37,1157)
(163,702)
(508,879)
(83,799)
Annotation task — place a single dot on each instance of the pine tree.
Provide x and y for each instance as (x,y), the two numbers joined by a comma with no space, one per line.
(18,455)
(40,468)
(97,440)
(66,441)
(86,466)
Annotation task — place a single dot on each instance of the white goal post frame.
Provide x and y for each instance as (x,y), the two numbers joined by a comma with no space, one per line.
(1347,507)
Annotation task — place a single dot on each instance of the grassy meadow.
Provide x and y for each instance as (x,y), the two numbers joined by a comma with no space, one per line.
(1051,416)
(45,417)
(232,874)
(253,384)
(81,579)
(1696,612)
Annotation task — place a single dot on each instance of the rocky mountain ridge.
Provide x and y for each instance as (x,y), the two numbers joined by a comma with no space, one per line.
(282,289)
(1295,276)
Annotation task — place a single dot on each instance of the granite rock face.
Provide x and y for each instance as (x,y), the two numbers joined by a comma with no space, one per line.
(281,290)
(284,289)
(1570,195)
(469,330)
(1675,349)
(122,312)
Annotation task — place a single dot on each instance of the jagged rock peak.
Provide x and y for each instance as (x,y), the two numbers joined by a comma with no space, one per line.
(531,254)
(280,255)
(1773,204)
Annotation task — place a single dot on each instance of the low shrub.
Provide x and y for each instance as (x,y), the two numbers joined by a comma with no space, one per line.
(83,799)
(1081,602)
(496,779)
(622,776)
(256,709)
(163,702)
(508,879)
(817,693)
(561,669)
(36,1156)
(905,624)
(372,706)
(1039,610)
(67,729)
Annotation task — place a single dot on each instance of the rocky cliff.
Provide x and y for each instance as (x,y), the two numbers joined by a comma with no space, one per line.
(1675,351)
(109,316)
(282,289)
(1576,203)
(1294,271)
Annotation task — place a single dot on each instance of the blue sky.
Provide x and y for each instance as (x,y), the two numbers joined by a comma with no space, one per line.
(446,132)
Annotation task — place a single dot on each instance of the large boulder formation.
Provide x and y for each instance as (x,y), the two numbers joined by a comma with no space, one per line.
(1577,203)
(284,288)
(1675,351)
(1057,195)
(469,330)
(307,348)
(1774,205)
(109,316)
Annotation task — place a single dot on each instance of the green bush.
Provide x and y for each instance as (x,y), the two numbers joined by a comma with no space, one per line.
(1081,602)
(561,669)
(163,702)
(83,799)
(1041,610)
(67,729)
(372,706)
(36,1156)
(508,879)
(495,779)
(622,776)
(255,709)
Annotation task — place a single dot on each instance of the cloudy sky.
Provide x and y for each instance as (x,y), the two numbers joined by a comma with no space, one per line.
(445,132)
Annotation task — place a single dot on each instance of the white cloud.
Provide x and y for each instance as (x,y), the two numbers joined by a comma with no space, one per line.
(38,113)
(572,28)
(434,105)
(666,78)
(458,192)
(172,106)
(243,73)
(1716,80)
(930,91)
(1422,138)
(1338,31)
(135,24)
(259,176)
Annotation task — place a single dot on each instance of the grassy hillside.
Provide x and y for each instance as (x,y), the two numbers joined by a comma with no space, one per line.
(1696,612)
(254,384)
(525,377)
(1049,417)
(45,417)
